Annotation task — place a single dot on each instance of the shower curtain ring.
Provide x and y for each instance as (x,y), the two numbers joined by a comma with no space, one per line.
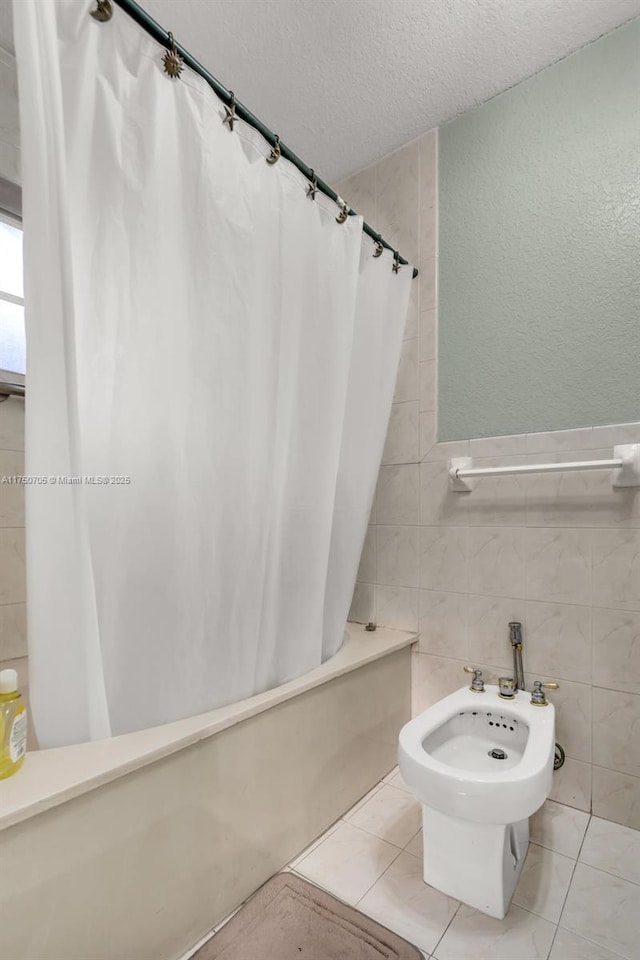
(312,189)
(103,12)
(274,156)
(396,261)
(378,245)
(344,210)
(173,62)
(230,111)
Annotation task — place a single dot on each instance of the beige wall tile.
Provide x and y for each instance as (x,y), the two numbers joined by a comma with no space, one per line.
(13,631)
(558,565)
(616,650)
(427,386)
(11,494)
(12,568)
(496,561)
(444,624)
(12,424)
(407,379)
(572,784)
(443,559)
(427,435)
(397,556)
(616,796)
(428,326)
(616,569)
(397,191)
(401,444)
(616,730)
(428,284)
(398,607)
(397,494)
(558,640)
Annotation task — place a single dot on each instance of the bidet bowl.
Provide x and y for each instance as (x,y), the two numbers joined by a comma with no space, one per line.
(451,756)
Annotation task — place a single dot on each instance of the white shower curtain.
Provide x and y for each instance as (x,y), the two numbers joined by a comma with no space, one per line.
(218,347)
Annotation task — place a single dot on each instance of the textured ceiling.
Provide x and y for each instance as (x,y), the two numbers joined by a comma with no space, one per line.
(345,82)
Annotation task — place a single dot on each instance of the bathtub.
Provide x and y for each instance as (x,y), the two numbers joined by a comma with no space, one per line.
(134,848)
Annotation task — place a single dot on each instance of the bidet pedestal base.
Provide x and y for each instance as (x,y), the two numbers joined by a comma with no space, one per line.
(477,863)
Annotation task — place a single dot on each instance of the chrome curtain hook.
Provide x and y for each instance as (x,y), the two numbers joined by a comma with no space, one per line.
(378,246)
(103,12)
(312,189)
(173,62)
(396,261)
(344,210)
(274,156)
(230,111)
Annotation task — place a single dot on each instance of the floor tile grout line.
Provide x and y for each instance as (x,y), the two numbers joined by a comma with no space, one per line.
(377,837)
(566,897)
(371,886)
(454,915)
(616,876)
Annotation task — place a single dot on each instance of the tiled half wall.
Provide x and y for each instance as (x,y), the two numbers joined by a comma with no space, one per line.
(559,552)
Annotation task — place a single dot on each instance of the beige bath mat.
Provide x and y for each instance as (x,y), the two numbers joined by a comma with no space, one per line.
(290,919)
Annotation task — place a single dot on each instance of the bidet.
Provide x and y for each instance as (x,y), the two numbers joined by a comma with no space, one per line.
(480,765)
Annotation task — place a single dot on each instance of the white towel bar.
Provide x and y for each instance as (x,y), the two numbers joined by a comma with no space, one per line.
(625,466)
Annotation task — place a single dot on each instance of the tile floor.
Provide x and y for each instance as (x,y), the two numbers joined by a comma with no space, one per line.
(578,896)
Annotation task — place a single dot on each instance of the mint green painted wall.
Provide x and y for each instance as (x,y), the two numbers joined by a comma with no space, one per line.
(539,300)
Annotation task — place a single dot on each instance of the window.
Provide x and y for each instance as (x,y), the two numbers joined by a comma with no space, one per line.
(12,337)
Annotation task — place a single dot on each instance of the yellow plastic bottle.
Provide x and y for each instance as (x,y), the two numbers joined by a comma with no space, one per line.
(13,725)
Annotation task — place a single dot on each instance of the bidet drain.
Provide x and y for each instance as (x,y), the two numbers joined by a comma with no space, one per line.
(498,754)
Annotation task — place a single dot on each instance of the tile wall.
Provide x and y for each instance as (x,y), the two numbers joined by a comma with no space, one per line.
(559,552)
(9,122)
(13,630)
(13,625)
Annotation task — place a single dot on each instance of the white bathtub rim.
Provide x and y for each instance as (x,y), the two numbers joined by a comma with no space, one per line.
(57,775)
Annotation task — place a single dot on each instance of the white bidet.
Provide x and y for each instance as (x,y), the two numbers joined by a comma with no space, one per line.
(480,765)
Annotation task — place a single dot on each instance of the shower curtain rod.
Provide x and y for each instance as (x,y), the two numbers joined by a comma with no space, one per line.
(154,29)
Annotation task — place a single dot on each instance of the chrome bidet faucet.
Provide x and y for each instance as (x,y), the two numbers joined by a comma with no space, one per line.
(515,636)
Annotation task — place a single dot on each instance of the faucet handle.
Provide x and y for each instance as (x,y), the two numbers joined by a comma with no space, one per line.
(477,684)
(538,698)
